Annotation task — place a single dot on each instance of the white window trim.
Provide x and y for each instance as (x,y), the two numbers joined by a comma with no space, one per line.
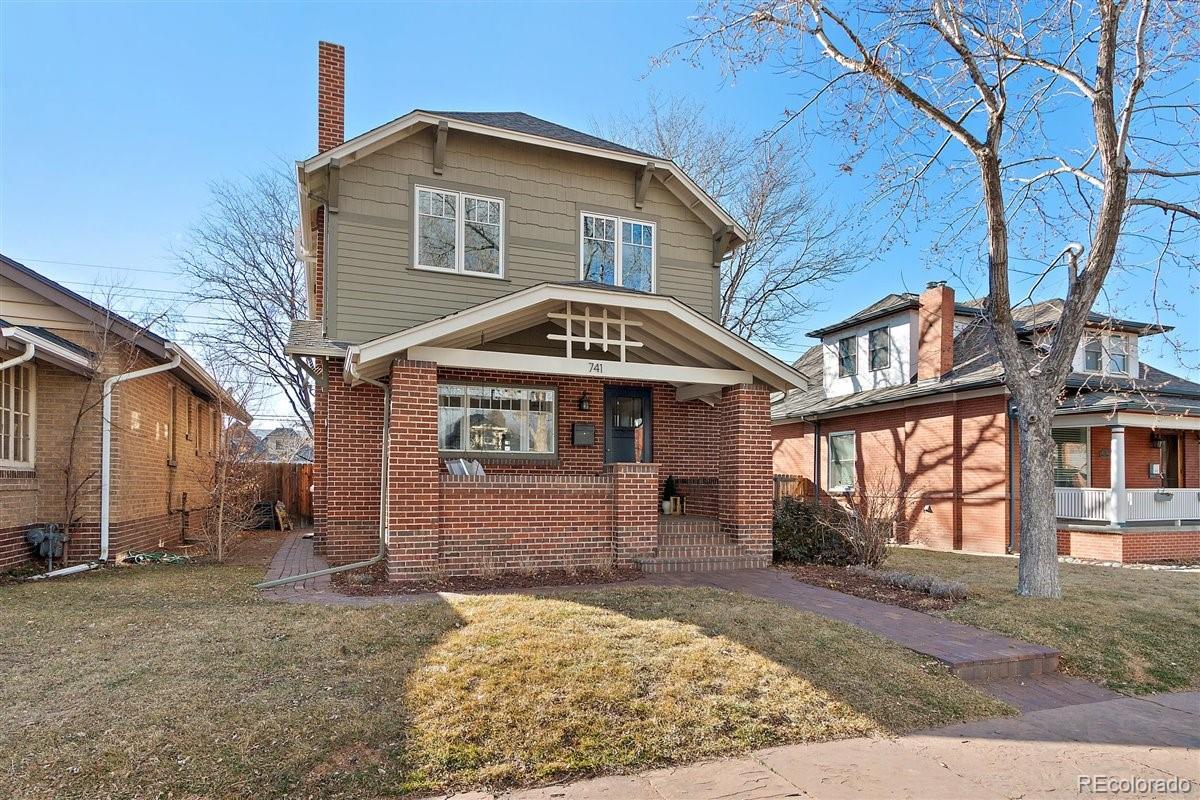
(619,255)
(517,454)
(8,463)
(829,485)
(837,347)
(460,222)
(887,348)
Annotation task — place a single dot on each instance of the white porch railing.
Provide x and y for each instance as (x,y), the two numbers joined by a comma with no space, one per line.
(1141,505)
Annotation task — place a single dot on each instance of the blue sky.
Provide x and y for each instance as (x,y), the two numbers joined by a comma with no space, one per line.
(114,118)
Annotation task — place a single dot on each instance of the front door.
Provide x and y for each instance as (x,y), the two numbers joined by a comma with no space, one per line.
(627,413)
(1170,461)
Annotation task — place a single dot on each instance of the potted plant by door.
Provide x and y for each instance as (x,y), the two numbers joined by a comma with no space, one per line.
(669,491)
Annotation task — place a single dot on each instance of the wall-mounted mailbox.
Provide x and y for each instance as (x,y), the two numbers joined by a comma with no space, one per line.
(583,434)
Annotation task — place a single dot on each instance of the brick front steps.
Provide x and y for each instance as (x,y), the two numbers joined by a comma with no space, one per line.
(689,543)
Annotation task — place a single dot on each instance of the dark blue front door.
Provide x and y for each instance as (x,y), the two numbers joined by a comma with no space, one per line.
(627,414)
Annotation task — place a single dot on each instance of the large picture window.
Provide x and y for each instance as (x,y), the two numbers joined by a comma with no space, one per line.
(616,251)
(459,232)
(496,419)
(842,459)
(17,417)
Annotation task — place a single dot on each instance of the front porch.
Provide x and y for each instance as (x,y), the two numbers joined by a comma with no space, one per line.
(1128,487)
(574,449)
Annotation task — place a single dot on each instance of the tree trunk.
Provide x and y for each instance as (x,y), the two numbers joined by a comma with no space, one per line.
(1038,566)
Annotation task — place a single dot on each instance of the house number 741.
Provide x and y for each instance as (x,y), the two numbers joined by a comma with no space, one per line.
(595,366)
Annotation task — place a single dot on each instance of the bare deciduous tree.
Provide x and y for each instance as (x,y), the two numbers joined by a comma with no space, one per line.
(1024,128)
(242,257)
(797,245)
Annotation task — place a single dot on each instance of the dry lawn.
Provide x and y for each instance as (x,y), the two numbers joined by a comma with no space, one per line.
(1132,630)
(181,681)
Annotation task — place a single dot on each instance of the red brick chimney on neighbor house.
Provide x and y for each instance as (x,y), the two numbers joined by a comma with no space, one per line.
(331,95)
(935,335)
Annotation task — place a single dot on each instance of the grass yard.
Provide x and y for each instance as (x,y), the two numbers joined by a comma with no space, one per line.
(1132,630)
(180,681)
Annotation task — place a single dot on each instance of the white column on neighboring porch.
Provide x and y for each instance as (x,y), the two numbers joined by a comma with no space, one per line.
(1118,506)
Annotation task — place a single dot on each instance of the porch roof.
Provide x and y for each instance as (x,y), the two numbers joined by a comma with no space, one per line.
(667,340)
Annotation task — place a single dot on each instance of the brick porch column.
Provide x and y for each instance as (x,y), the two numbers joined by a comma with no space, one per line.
(746,472)
(635,511)
(414,491)
(319,457)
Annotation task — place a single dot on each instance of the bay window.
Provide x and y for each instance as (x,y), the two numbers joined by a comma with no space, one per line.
(459,232)
(484,419)
(617,251)
(17,417)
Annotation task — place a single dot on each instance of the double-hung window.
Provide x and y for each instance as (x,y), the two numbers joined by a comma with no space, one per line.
(1093,355)
(879,344)
(1072,459)
(1106,355)
(1118,358)
(841,461)
(17,418)
(459,232)
(484,419)
(617,251)
(847,356)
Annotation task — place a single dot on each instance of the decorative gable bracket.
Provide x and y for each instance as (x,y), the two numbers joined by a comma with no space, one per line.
(611,331)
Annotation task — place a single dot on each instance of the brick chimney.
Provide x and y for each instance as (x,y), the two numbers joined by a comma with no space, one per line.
(331,95)
(935,333)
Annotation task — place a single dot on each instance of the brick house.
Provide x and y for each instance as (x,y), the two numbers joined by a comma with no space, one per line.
(57,349)
(908,396)
(492,287)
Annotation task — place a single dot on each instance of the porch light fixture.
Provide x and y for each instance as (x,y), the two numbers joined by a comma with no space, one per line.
(584,403)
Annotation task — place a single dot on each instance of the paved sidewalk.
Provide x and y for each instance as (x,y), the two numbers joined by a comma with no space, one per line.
(1037,755)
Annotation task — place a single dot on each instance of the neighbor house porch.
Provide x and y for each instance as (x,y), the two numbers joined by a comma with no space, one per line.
(578,403)
(1128,486)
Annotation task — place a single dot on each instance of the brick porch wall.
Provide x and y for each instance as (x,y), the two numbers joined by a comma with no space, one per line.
(745,458)
(1132,546)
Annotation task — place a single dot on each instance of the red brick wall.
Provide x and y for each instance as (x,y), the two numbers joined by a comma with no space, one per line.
(745,464)
(414,488)
(949,458)
(635,510)
(350,492)
(1161,546)
(1139,455)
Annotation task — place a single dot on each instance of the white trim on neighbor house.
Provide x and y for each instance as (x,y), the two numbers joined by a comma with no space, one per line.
(402,127)
(619,247)
(702,332)
(7,406)
(1128,419)
(460,223)
(829,437)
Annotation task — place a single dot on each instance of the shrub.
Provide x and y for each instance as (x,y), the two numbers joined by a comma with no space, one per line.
(926,584)
(803,533)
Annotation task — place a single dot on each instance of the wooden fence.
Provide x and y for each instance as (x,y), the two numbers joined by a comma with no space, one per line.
(792,486)
(291,483)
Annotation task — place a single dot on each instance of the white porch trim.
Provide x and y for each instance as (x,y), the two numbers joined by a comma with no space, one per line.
(556,365)
(1129,419)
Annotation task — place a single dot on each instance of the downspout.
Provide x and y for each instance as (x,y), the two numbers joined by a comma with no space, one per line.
(352,368)
(19,360)
(106,456)
(1011,441)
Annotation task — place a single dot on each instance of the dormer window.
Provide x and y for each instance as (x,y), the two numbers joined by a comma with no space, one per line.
(617,251)
(1106,355)
(459,232)
(880,350)
(847,357)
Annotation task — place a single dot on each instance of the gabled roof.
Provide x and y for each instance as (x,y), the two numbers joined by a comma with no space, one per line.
(679,335)
(106,319)
(1045,315)
(517,126)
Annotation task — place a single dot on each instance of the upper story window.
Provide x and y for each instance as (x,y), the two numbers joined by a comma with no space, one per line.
(847,357)
(617,251)
(17,418)
(1109,354)
(459,232)
(879,344)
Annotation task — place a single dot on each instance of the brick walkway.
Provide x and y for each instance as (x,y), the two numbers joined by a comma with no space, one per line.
(1019,673)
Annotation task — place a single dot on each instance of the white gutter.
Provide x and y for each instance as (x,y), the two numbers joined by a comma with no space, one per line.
(19,360)
(106,456)
(44,347)
(352,369)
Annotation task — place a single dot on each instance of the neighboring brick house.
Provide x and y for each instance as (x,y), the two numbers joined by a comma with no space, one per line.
(908,396)
(56,350)
(494,287)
